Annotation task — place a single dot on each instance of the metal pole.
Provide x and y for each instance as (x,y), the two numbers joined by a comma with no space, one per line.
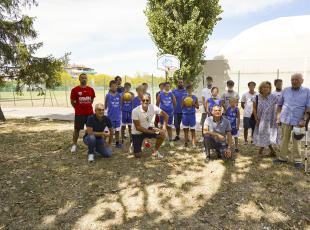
(14,97)
(66,93)
(104,87)
(238,82)
(153,87)
(44,98)
(55,98)
(278,74)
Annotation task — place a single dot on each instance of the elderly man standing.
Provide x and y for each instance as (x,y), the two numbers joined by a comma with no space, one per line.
(293,111)
(217,134)
(142,117)
(95,134)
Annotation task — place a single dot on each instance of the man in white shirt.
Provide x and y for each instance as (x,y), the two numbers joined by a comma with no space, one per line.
(247,106)
(142,117)
(206,94)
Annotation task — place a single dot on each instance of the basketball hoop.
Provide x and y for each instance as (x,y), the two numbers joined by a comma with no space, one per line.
(168,63)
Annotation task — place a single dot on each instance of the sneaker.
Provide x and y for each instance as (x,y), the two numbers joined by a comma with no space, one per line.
(91,157)
(157,154)
(207,159)
(131,149)
(299,165)
(201,140)
(171,144)
(177,138)
(118,145)
(73,149)
(279,161)
(194,146)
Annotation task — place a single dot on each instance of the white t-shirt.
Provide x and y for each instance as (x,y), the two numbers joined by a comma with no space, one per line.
(145,118)
(248,98)
(227,95)
(206,93)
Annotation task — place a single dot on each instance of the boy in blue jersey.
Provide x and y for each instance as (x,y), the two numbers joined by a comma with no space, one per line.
(189,116)
(166,101)
(179,94)
(213,100)
(161,88)
(113,105)
(137,100)
(127,107)
(233,115)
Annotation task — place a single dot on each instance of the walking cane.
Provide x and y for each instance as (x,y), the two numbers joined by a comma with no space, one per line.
(306,145)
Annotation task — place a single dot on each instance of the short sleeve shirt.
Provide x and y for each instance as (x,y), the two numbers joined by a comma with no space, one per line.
(222,127)
(247,99)
(98,125)
(227,95)
(206,93)
(145,118)
(83,98)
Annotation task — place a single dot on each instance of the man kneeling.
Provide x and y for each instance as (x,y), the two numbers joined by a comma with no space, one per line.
(142,117)
(95,135)
(217,134)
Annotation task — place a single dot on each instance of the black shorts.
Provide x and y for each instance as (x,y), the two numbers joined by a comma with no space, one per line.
(249,123)
(137,140)
(177,120)
(80,121)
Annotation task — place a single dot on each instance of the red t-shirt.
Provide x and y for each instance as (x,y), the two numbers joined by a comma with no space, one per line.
(83,98)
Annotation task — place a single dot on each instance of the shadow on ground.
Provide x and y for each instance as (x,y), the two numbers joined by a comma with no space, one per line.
(43,186)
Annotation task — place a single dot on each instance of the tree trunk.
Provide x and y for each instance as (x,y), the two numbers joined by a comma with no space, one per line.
(2,118)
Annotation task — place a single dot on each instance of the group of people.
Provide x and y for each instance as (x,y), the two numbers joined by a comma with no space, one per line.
(272,117)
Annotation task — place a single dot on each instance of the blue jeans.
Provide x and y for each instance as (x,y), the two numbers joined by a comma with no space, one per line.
(211,143)
(99,144)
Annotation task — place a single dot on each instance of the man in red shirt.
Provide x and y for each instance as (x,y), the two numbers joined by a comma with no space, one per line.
(82,98)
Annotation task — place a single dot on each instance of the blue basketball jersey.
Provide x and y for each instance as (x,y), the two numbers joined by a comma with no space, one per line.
(231,115)
(127,106)
(179,96)
(212,102)
(114,106)
(166,102)
(136,102)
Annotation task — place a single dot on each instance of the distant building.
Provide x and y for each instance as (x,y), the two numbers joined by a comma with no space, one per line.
(75,70)
(270,50)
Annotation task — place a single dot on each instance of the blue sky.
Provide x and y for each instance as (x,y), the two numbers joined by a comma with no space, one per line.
(112,37)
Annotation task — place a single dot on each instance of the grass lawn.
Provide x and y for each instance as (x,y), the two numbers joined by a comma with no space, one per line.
(44,186)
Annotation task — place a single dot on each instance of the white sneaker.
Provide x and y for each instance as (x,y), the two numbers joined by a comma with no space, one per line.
(157,154)
(91,157)
(131,149)
(194,146)
(73,149)
(201,140)
(171,143)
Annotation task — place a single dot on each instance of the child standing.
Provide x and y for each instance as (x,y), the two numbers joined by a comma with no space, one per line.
(127,106)
(113,105)
(161,88)
(166,101)
(213,100)
(137,100)
(189,115)
(233,115)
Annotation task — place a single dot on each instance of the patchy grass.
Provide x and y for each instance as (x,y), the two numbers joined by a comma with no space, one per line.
(44,186)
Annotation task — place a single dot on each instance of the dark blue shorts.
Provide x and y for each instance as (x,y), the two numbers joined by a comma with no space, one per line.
(170,120)
(126,118)
(116,125)
(189,121)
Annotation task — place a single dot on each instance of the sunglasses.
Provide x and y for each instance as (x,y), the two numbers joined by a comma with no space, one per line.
(100,110)
(145,100)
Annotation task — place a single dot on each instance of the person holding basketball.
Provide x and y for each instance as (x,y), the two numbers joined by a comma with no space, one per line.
(127,106)
(82,98)
(189,106)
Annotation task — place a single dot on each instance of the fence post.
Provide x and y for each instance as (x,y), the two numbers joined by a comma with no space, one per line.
(51,98)
(31,95)
(66,93)
(44,98)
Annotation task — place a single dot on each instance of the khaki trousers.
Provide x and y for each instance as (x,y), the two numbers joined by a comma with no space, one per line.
(285,154)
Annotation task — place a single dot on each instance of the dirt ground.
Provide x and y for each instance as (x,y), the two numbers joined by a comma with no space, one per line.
(44,186)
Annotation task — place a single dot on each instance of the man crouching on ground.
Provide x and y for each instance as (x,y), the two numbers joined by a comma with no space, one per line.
(217,135)
(142,117)
(95,134)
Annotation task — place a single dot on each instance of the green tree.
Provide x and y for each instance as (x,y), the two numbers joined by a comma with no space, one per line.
(17,60)
(181,28)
